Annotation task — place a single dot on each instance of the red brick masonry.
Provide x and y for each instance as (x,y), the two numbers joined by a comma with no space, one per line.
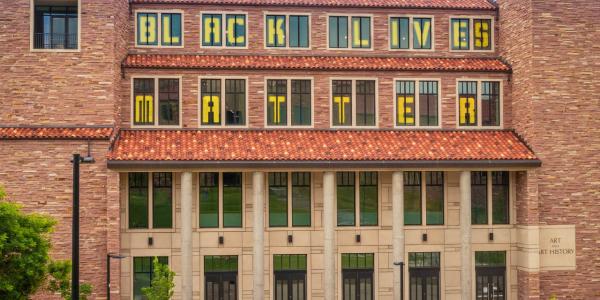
(321,63)
(318,145)
(454,4)
(62,133)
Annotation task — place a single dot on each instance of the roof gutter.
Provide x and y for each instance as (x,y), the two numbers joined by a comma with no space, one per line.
(278,164)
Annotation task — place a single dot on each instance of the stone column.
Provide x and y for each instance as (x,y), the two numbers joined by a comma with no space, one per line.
(186,236)
(465,234)
(398,227)
(329,258)
(258,196)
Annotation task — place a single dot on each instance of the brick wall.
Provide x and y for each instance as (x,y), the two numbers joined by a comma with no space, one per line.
(38,174)
(552,48)
(322,93)
(318,25)
(61,88)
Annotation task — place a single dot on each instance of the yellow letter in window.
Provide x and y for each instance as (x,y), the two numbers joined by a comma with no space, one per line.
(212,28)
(276,31)
(277,101)
(422,33)
(341,102)
(144,110)
(147,29)
(467,110)
(356,38)
(482,35)
(210,109)
(405,113)
(394,28)
(166,29)
(460,35)
(233,37)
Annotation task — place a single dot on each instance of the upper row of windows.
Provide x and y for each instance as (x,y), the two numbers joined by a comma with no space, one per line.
(293,31)
(289,102)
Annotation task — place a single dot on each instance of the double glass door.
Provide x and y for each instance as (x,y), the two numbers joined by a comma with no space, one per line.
(490,283)
(290,285)
(221,285)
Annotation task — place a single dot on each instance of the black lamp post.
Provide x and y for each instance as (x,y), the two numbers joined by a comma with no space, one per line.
(401,265)
(77,159)
(108,257)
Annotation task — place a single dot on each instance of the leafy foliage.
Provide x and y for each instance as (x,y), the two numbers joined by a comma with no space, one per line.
(161,287)
(24,245)
(59,280)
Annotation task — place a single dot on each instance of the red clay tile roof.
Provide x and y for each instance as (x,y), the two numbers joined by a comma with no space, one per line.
(318,145)
(454,4)
(326,63)
(58,133)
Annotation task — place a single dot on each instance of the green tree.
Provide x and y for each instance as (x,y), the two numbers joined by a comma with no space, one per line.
(24,245)
(161,287)
(59,280)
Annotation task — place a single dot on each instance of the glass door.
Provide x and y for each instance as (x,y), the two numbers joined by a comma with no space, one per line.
(490,275)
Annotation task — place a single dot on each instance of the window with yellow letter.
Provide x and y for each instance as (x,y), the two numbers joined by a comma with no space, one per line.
(354,103)
(361,32)
(222,101)
(156,101)
(467,103)
(276,29)
(410,32)
(277,102)
(417,103)
(422,33)
(342,102)
(290,31)
(400,32)
(356,29)
(468,33)
(217,27)
(480,103)
(159,29)
(289,102)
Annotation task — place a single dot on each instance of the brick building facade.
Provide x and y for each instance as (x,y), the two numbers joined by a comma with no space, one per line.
(457,137)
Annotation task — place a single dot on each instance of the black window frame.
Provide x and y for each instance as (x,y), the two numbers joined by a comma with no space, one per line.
(426,272)
(42,40)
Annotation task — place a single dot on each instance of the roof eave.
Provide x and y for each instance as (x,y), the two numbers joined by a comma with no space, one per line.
(323,164)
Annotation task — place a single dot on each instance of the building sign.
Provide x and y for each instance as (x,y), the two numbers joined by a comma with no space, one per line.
(557,247)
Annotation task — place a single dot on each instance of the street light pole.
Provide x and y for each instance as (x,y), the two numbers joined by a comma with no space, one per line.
(401,265)
(108,257)
(77,160)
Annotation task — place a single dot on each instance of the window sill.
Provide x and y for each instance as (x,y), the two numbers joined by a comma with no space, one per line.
(150,230)
(237,229)
(56,50)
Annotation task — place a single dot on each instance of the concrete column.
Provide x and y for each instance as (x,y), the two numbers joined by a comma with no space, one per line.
(329,258)
(465,233)
(186,236)
(258,196)
(398,227)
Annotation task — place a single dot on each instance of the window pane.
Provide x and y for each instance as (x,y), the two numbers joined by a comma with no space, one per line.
(424,259)
(399,33)
(143,101)
(209,200)
(490,259)
(278,199)
(479,198)
(435,198)
(168,101)
(289,262)
(143,270)
(482,31)
(301,102)
(412,198)
(368,199)
(276,102)
(220,263)
(460,34)
(299,31)
(338,32)
(467,101)
(342,102)
(500,198)
(345,199)
(162,198)
(147,29)
(365,103)
(405,103)
(490,103)
(232,199)
(428,103)
(275,31)
(171,29)
(235,101)
(355,261)
(236,30)
(210,92)
(212,25)
(301,198)
(138,200)
(422,33)
(361,32)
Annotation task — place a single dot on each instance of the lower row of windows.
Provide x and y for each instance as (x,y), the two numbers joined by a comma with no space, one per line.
(290,276)
(290,197)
